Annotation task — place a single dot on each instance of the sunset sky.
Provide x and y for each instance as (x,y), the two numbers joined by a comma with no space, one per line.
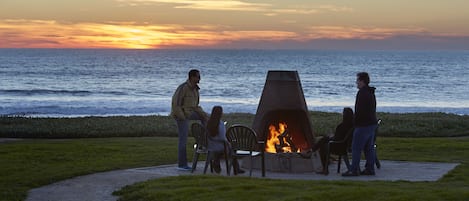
(259,24)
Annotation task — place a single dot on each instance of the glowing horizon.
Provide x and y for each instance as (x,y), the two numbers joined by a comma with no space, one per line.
(155,24)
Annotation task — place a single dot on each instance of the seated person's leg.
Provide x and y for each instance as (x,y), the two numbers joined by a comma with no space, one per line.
(216,162)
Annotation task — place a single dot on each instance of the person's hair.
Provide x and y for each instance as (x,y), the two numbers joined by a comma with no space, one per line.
(347,116)
(363,76)
(193,72)
(214,121)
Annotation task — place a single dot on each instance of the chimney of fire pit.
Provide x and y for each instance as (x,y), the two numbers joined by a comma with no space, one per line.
(283,100)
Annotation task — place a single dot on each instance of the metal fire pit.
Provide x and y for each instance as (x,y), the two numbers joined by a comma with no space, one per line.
(282,100)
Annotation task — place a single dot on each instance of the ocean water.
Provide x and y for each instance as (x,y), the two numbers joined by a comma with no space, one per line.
(91,82)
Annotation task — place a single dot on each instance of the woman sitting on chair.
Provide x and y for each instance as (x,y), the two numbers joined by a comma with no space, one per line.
(340,132)
(217,140)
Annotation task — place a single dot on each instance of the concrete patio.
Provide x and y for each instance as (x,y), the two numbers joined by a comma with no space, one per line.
(100,186)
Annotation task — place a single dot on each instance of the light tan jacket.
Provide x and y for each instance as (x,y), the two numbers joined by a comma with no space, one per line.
(185,101)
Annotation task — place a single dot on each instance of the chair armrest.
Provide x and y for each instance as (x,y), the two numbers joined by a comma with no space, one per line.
(336,142)
(261,146)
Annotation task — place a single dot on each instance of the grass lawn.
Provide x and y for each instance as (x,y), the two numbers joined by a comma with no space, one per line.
(28,164)
(80,146)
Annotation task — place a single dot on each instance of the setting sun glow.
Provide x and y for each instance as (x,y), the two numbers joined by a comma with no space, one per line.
(144,24)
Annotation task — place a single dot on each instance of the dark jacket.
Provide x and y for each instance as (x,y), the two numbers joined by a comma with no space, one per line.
(365,107)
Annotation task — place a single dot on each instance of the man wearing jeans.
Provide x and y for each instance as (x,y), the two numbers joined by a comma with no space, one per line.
(365,124)
(185,107)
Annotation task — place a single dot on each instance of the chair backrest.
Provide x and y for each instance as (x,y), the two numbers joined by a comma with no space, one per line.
(343,146)
(242,138)
(378,123)
(348,139)
(200,135)
(376,131)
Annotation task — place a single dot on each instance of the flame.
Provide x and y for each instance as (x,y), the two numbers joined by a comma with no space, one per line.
(273,138)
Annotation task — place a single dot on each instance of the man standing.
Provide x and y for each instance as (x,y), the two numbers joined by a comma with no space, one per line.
(185,107)
(365,125)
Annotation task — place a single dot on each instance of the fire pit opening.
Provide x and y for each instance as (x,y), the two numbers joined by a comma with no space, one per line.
(286,132)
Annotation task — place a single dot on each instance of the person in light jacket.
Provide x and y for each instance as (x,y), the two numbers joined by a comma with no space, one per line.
(184,107)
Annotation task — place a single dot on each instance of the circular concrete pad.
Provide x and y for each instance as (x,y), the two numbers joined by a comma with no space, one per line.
(100,186)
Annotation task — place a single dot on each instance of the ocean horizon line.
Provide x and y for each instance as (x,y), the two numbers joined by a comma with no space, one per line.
(248,49)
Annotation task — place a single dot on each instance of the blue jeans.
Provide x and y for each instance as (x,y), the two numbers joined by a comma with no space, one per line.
(363,140)
(183,132)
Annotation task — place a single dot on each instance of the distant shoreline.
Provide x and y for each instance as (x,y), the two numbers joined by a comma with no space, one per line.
(463,112)
(329,109)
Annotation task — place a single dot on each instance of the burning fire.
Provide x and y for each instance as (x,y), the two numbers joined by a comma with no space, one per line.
(279,140)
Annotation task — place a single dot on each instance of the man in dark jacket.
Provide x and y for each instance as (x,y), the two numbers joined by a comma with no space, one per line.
(365,125)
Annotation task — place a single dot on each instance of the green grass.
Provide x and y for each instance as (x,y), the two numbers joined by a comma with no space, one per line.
(85,127)
(80,146)
(207,188)
(28,164)
(323,123)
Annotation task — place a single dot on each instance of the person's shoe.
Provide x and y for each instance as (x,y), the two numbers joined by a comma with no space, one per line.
(216,167)
(185,168)
(240,171)
(350,174)
(367,172)
(306,154)
(324,172)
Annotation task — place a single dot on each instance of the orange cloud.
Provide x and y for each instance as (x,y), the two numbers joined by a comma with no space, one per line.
(311,10)
(203,4)
(233,5)
(340,32)
(51,34)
